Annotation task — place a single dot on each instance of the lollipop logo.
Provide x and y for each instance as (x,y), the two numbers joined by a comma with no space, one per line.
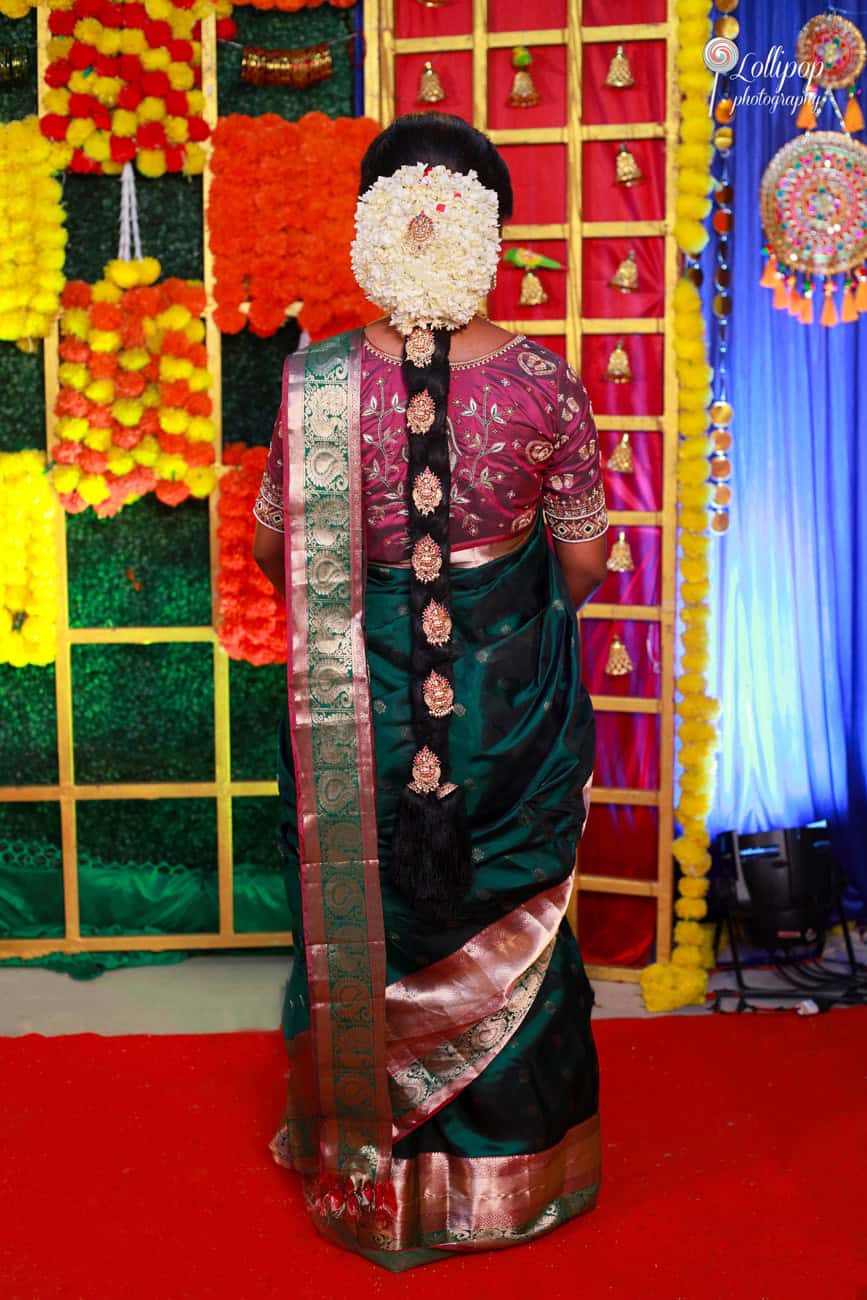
(720,58)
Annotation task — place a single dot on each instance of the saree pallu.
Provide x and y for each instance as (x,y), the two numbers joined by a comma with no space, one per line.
(443,1081)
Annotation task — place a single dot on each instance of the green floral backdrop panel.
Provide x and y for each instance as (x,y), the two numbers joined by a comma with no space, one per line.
(143,712)
(147,866)
(260,893)
(22,399)
(28,726)
(252,379)
(257,697)
(18,98)
(31,871)
(146,567)
(170,220)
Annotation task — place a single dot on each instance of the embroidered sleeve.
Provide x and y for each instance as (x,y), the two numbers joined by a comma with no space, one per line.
(573,497)
(269,503)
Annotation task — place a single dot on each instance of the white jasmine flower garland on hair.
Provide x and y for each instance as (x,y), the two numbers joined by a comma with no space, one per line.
(427,246)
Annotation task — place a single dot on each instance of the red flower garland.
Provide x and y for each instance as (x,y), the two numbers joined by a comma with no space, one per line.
(281,219)
(252,617)
(124,84)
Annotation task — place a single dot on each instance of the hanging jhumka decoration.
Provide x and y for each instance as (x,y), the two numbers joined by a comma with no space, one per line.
(621,460)
(524,93)
(619,370)
(430,88)
(720,413)
(625,278)
(532,292)
(627,171)
(619,72)
(620,556)
(619,663)
(814,190)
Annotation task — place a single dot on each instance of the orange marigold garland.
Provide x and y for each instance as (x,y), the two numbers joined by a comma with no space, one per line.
(252,617)
(133,406)
(267,262)
(124,84)
(292,6)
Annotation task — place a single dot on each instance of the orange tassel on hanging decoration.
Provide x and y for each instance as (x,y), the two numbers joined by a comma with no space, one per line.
(768,279)
(853,119)
(850,311)
(861,291)
(806,118)
(807,309)
(793,298)
(829,311)
(781,297)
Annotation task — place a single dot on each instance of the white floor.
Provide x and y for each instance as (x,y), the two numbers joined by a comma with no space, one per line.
(220,994)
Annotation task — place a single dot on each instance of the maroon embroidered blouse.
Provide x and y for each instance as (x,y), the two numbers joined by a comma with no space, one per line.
(521,435)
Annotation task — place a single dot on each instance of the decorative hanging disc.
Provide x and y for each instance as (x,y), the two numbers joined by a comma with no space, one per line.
(835,46)
(814,203)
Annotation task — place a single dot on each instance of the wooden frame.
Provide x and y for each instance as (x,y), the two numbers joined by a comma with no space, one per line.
(382,48)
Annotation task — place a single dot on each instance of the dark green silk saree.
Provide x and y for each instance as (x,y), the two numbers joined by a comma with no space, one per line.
(443,1083)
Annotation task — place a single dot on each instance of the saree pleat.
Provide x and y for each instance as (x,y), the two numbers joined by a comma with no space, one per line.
(492,1069)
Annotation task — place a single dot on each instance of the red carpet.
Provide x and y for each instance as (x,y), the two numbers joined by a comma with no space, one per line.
(735,1154)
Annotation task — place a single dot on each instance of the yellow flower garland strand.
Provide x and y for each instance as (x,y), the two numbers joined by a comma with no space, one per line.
(28,561)
(683,981)
(32,233)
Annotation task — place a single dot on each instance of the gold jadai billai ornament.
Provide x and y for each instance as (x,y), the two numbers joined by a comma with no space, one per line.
(420,347)
(524,93)
(619,371)
(427,492)
(438,695)
(430,88)
(619,663)
(436,623)
(621,460)
(426,772)
(627,170)
(619,72)
(421,412)
(427,559)
(620,559)
(625,278)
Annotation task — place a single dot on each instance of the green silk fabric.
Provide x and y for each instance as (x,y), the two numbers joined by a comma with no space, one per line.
(522,745)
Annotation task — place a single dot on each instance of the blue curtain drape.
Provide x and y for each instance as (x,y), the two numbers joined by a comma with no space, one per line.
(790,577)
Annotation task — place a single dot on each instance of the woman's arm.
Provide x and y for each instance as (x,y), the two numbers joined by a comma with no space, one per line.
(268,554)
(583,564)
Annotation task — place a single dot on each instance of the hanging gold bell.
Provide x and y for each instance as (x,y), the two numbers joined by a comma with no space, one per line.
(619,370)
(532,291)
(625,278)
(628,171)
(430,88)
(524,93)
(621,457)
(620,559)
(619,663)
(619,72)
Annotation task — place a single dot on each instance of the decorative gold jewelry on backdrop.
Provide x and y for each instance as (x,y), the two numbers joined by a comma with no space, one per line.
(438,695)
(532,293)
(427,559)
(524,93)
(625,278)
(421,412)
(430,88)
(619,663)
(436,623)
(619,72)
(621,460)
(296,68)
(620,559)
(619,371)
(420,347)
(442,288)
(627,170)
(427,492)
(426,772)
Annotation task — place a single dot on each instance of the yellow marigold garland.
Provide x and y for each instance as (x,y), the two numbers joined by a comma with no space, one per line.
(28,561)
(666,986)
(32,233)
